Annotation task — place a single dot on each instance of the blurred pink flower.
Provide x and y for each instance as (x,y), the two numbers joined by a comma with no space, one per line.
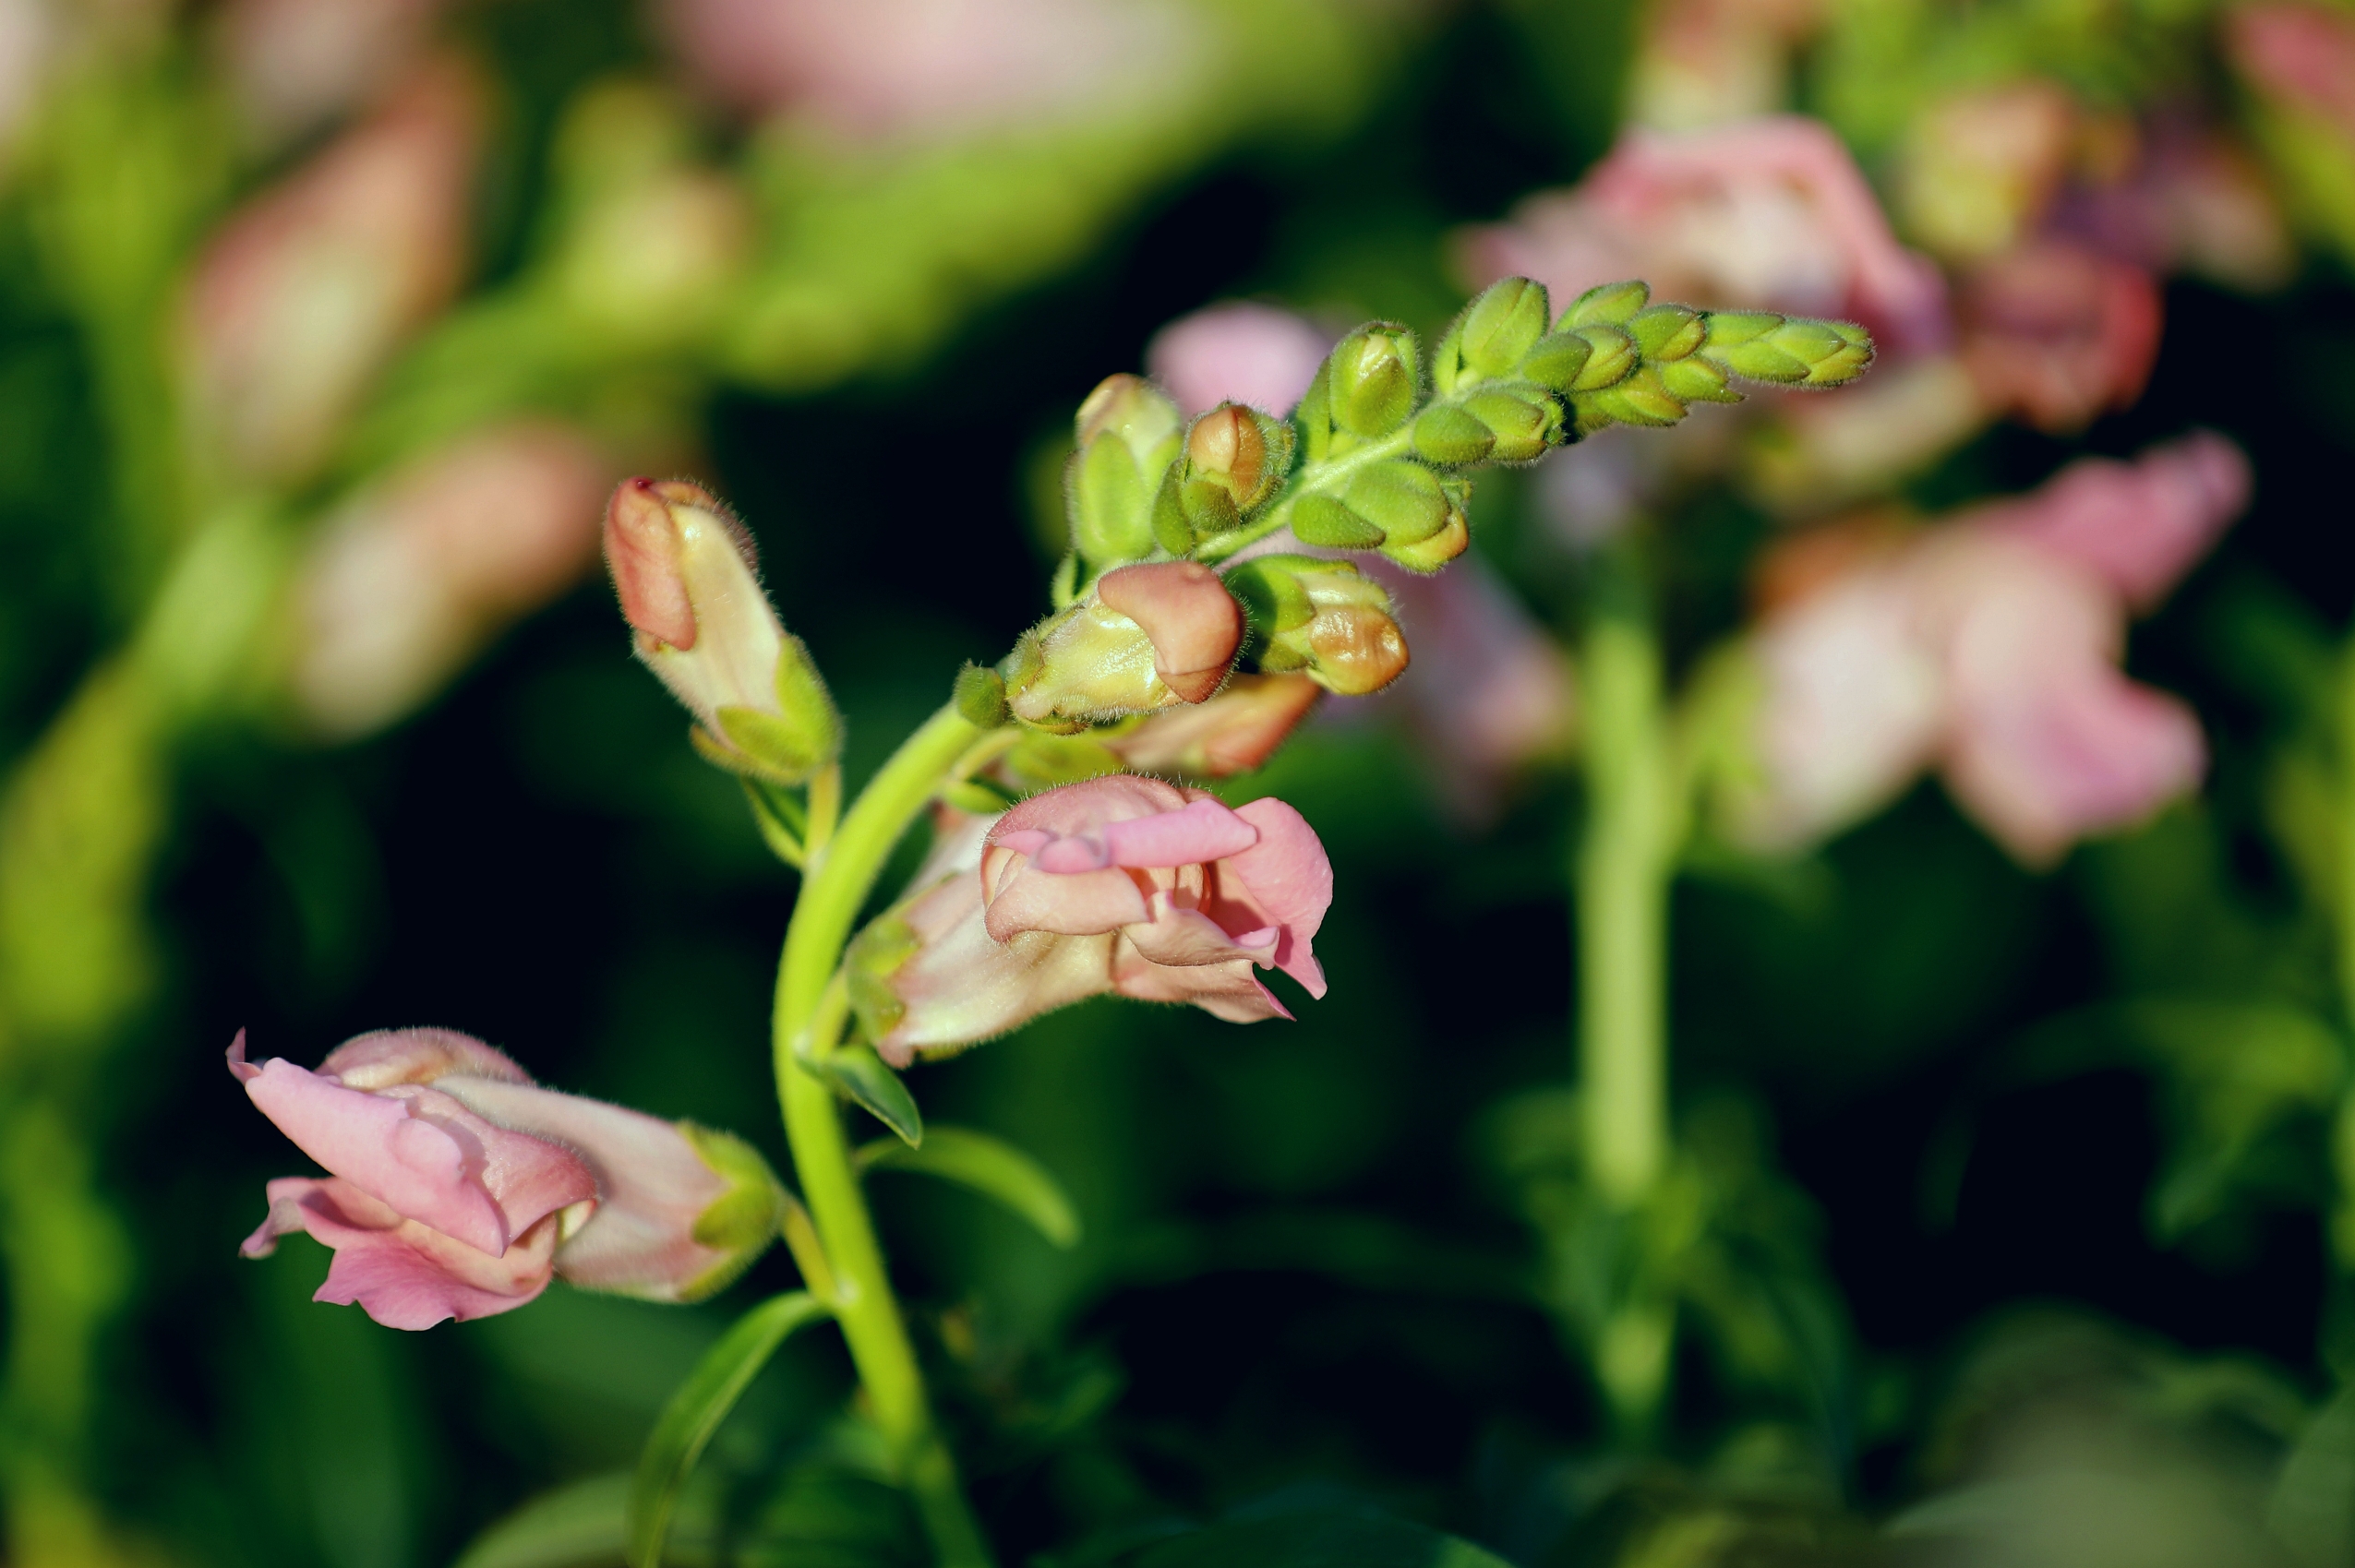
(308,289)
(1989,648)
(1488,691)
(1769,212)
(413,575)
(1237,351)
(458,1188)
(891,68)
(1117,883)
(2057,333)
(297,65)
(2194,201)
(2301,54)
(1702,61)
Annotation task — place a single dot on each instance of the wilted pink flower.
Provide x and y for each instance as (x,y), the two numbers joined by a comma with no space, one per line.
(458,1188)
(1989,648)
(883,69)
(304,294)
(2057,333)
(1770,211)
(299,63)
(414,575)
(1237,352)
(1117,883)
(1233,732)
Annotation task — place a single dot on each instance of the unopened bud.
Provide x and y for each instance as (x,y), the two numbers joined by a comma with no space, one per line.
(1759,346)
(1405,500)
(1235,460)
(1834,352)
(1148,637)
(1446,434)
(980,697)
(1641,398)
(1667,332)
(1371,379)
(1451,539)
(1128,434)
(1233,732)
(1498,329)
(1614,358)
(1695,380)
(1607,304)
(1325,619)
(684,569)
(1525,420)
(1558,360)
(1328,521)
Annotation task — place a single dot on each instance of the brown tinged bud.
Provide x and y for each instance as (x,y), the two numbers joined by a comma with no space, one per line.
(1148,637)
(1236,457)
(1322,619)
(684,569)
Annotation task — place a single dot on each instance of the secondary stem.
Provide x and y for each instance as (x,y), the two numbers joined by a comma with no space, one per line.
(1621,875)
(839,878)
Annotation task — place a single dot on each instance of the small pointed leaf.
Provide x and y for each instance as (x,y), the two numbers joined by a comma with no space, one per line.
(990,1166)
(859,1075)
(695,1412)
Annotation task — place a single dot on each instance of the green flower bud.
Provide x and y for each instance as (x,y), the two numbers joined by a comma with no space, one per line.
(1401,501)
(1641,398)
(1446,434)
(1613,357)
(1526,420)
(1667,332)
(1322,520)
(1607,304)
(1498,329)
(1326,618)
(1451,539)
(1696,380)
(1371,379)
(1236,459)
(980,697)
(1834,352)
(1127,434)
(1792,350)
(1146,637)
(1558,360)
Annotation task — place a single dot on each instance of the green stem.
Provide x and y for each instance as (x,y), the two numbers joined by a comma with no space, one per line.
(1622,872)
(839,878)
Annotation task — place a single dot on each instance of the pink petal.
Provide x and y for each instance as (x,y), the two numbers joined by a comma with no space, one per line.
(1201,832)
(1287,879)
(1078,810)
(2139,526)
(1193,622)
(402,1273)
(1188,938)
(651,1185)
(1228,991)
(423,1153)
(388,1057)
(1073,905)
(243,1071)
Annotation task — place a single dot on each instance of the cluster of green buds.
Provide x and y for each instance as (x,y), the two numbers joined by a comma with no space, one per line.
(1375,459)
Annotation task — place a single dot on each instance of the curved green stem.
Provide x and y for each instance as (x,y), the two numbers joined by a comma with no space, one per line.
(839,878)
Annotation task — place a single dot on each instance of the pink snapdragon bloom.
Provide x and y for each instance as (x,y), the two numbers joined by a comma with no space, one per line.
(1237,351)
(909,69)
(1119,883)
(1988,648)
(305,293)
(458,1188)
(2056,333)
(1771,211)
(408,580)
(1233,732)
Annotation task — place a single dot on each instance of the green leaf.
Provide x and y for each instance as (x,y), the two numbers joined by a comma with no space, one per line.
(696,1411)
(1324,1540)
(778,816)
(859,1075)
(573,1527)
(990,1166)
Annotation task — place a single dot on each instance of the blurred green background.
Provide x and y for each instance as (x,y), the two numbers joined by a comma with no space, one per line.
(2029,1188)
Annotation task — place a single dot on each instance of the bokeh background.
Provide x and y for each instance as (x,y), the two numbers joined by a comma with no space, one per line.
(2023,1181)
